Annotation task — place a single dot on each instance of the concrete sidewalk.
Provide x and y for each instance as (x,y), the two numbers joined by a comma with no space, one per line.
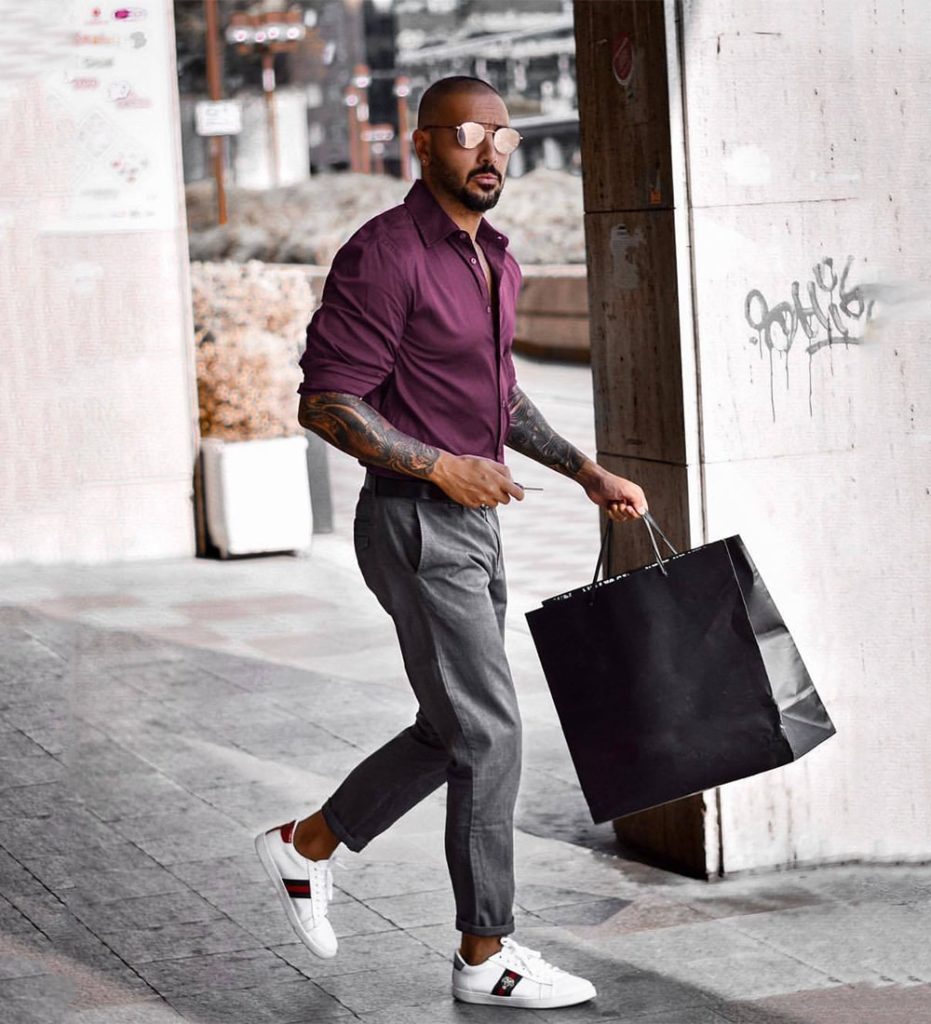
(154,716)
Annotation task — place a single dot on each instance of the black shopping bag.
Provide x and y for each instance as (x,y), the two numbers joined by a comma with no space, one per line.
(675,678)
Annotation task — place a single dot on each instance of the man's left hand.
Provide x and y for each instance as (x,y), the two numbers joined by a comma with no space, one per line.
(620,498)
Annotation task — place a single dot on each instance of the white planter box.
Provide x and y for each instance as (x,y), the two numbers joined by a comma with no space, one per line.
(257,495)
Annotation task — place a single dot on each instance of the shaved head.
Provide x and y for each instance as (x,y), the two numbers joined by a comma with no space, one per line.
(467,180)
(433,101)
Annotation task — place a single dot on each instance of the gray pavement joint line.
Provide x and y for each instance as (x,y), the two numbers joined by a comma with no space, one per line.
(786,952)
(39,640)
(313,721)
(75,917)
(307,977)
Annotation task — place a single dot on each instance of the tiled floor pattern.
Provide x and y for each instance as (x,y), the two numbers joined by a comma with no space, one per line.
(154,716)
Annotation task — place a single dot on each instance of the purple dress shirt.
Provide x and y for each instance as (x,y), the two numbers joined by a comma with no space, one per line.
(406,323)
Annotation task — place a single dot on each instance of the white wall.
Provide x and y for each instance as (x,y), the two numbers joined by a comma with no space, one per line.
(806,138)
(252,164)
(97,392)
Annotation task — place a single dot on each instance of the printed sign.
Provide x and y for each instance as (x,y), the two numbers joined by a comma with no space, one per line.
(110,95)
(218,117)
(622,59)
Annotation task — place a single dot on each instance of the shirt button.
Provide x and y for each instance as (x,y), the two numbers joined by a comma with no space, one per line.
(473,260)
(488,309)
(462,234)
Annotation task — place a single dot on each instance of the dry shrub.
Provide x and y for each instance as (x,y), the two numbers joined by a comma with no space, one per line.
(541,212)
(249,327)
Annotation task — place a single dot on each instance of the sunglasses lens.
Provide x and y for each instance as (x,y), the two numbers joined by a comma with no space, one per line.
(470,134)
(507,140)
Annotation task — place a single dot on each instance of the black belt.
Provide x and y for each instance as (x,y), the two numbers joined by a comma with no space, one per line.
(389,487)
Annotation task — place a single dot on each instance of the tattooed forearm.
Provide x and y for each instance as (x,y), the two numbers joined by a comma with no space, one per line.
(355,427)
(532,436)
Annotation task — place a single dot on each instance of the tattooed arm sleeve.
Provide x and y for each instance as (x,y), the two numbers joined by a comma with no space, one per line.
(532,436)
(355,427)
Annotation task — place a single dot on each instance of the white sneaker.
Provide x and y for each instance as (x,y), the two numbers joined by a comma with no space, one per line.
(520,977)
(304,887)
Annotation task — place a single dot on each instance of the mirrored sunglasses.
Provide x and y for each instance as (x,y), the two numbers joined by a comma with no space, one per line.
(470,134)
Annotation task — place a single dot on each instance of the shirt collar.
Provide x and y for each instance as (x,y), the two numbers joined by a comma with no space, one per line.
(435,224)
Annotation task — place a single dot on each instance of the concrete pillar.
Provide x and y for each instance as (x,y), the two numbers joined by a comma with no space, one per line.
(98,406)
(644,400)
(757,209)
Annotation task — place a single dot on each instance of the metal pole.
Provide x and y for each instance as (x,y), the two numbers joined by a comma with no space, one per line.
(215,87)
(352,101)
(361,83)
(402,87)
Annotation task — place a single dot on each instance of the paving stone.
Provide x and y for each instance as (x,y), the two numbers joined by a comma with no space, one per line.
(857,884)
(286,1002)
(15,744)
(195,938)
(220,875)
(285,735)
(873,942)
(69,936)
(362,953)
(542,897)
(47,723)
(240,969)
(74,835)
(409,910)
(371,879)
(128,795)
(24,955)
(844,1004)
(691,956)
(595,912)
(254,804)
(12,920)
(151,1010)
(39,999)
(31,770)
(367,991)
(355,918)
(96,753)
(645,913)
(166,679)
(173,908)
(761,900)
(14,878)
(58,871)
(690,1015)
(191,831)
(258,912)
(106,885)
(446,1010)
(39,800)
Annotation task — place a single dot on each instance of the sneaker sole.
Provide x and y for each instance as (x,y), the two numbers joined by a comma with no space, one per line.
(522,1003)
(261,848)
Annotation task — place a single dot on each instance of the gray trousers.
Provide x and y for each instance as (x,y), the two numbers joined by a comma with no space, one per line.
(436,568)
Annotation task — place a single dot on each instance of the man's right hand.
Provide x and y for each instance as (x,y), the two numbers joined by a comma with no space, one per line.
(473,481)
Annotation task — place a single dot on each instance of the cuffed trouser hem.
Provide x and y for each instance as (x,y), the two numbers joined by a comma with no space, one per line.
(490,929)
(338,830)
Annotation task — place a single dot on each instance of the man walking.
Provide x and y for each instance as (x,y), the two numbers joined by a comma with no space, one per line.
(408,367)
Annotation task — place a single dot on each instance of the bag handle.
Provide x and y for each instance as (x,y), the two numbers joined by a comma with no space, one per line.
(602,564)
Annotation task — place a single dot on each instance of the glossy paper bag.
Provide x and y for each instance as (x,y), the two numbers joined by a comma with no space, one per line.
(675,678)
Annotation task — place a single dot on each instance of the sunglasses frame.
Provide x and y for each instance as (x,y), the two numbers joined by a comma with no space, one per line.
(459,129)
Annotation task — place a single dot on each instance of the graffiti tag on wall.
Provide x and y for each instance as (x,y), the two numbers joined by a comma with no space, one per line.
(829,311)
(832,307)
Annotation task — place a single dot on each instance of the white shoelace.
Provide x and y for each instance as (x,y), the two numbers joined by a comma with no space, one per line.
(321,886)
(527,961)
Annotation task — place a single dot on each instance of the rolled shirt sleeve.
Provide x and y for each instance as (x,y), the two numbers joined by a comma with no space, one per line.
(353,336)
